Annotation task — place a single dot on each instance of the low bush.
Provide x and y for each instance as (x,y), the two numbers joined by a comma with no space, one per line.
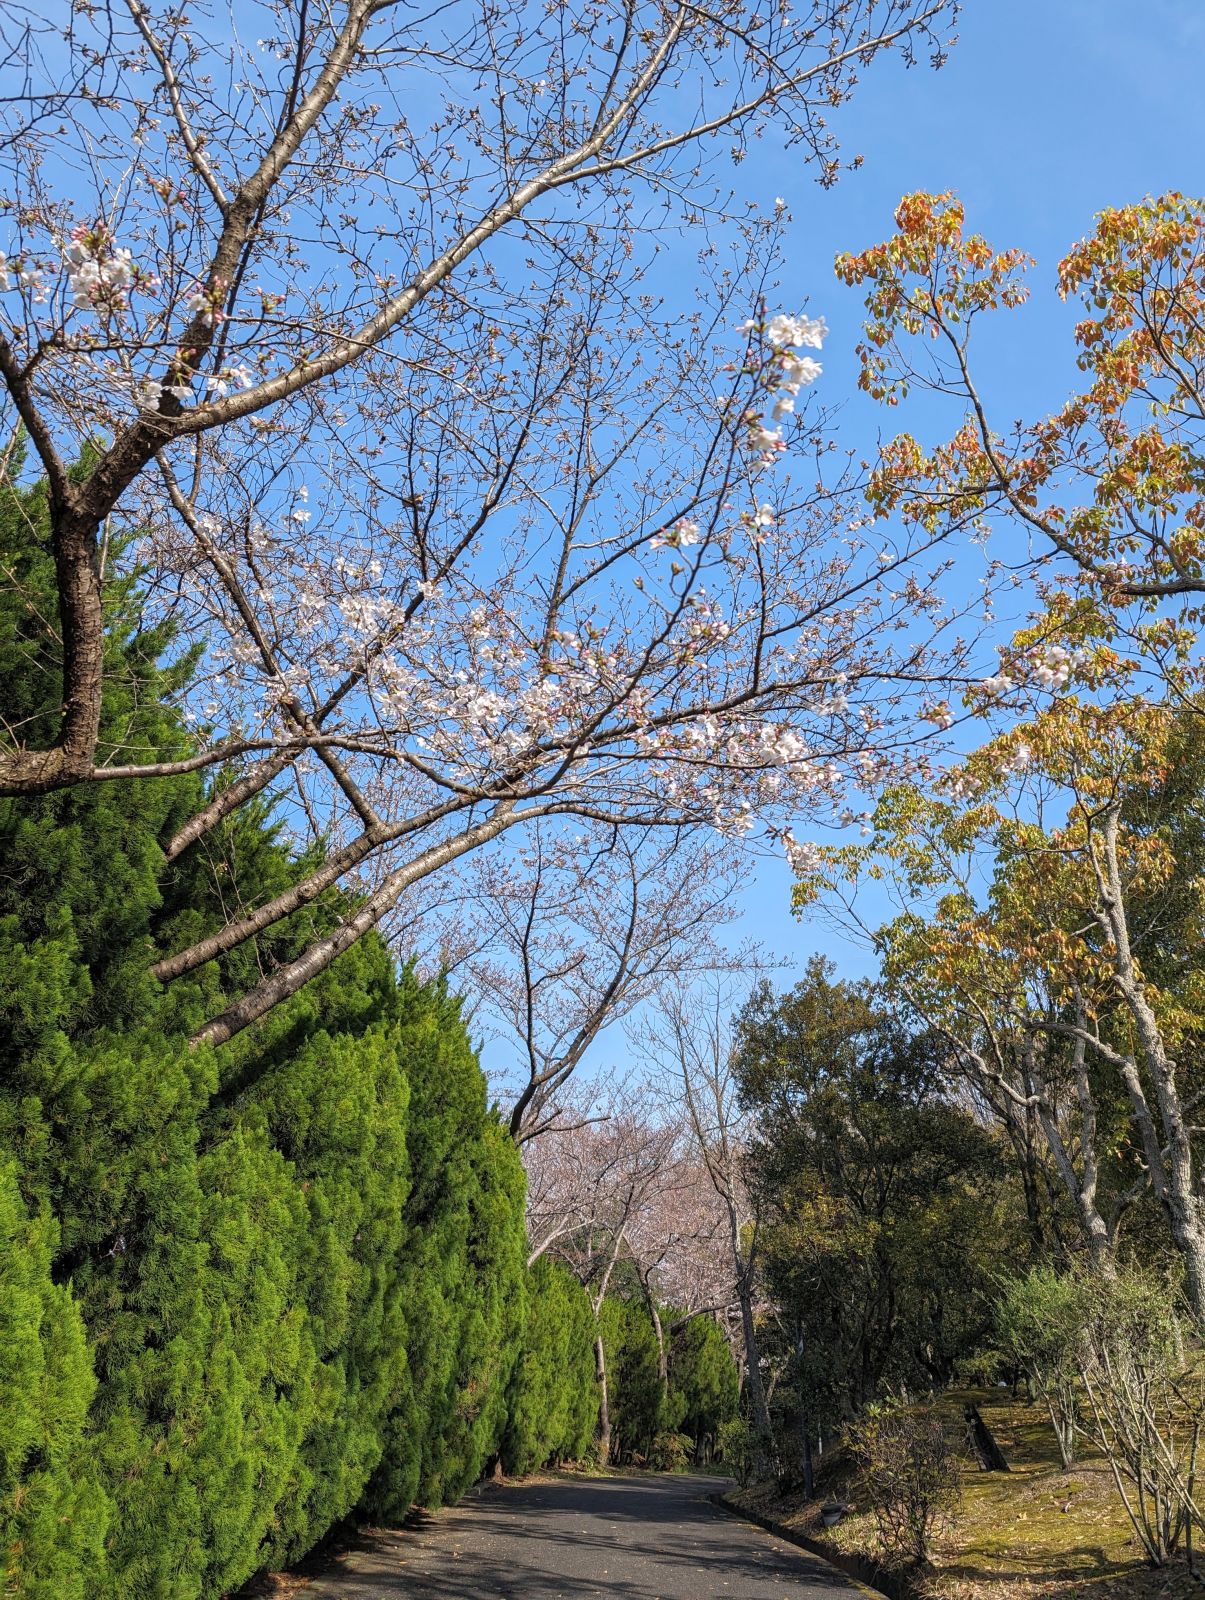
(907,1476)
(671,1452)
(736,1448)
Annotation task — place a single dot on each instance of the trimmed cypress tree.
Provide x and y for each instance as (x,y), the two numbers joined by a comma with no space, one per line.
(338,1112)
(553,1395)
(463,1280)
(53,1511)
(635,1393)
(298,1262)
(704,1384)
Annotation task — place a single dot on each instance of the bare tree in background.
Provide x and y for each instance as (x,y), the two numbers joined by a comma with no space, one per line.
(679,1251)
(688,1037)
(589,1185)
(581,927)
(352,334)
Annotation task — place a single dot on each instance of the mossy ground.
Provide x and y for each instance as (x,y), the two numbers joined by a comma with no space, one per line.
(1035,1533)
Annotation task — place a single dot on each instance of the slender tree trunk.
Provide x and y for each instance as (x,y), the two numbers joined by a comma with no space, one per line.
(650,1300)
(75,535)
(604,1409)
(1026,1153)
(805,1426)
(1173,1177)
(1064,1432)
(763,1433)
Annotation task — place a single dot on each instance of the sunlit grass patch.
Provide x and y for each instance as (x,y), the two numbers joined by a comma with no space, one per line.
(1037,1532)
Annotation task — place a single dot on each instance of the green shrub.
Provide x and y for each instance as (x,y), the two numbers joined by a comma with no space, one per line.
(553,1396)
(671,1452)
(1145,1404)
(1039,1326)
(736,1448)
(53,1511)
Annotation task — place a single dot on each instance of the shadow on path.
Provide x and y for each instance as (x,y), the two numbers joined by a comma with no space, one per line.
(633,1538)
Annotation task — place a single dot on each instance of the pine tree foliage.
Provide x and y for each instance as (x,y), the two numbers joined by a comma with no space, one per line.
(553,1399)
(53,1512)
(704,1385)
(242,1293)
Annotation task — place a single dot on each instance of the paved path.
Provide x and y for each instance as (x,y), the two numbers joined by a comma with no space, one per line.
(639,1538)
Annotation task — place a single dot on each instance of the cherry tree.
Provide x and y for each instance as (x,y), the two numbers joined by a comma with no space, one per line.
(688,1039)
(350,338)
(590,1184)
(678,1249)
(575,929)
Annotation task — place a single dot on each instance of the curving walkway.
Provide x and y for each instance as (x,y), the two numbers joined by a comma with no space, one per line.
(656,1538)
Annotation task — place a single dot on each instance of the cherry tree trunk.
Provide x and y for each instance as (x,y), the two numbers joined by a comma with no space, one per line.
(604,1410)
(764,1449)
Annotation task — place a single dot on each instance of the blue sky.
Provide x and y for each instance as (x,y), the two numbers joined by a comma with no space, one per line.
(1048,111)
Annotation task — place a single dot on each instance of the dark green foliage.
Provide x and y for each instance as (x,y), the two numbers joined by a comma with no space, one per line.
(700,1391)
(53,1511)
(886,1218)
(270,1313)
(704,1385)
(235,1288)
(463,1282)
(193,1433)
(337,1114)
(636,1394)
(553,1399)
(81,879)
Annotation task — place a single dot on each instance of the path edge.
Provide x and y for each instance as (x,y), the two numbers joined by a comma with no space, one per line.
(873,1580)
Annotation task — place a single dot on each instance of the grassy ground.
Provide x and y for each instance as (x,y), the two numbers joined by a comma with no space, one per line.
(1035,1533)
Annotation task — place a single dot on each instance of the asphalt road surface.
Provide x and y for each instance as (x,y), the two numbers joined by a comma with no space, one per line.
(656,1538)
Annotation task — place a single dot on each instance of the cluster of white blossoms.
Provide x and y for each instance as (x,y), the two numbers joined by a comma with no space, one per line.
(238,376)
(1047,667)
(705,624)
(17,273)
(99,274)
(999,683)
(786,336)
(362,613)
(683,533)
(1018,759)
(963,784)
(760,522)
(1051,666)
(803,856)
(149,391)
(791,333)
(197,303)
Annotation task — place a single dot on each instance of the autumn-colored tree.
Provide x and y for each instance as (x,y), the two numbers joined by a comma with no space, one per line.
(1111,486)
(1053,984)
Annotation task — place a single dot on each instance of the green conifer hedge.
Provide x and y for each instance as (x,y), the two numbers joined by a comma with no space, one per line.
(242,1293)
(553,1399)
